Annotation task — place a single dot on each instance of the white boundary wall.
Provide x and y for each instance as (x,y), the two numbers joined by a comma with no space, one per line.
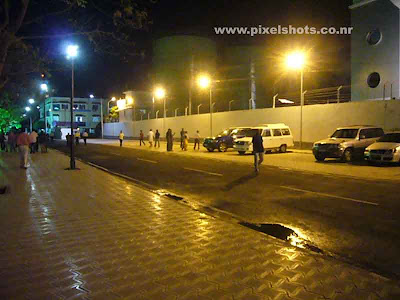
(319,121)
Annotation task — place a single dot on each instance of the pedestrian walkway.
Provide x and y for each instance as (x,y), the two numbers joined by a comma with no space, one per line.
(86,234)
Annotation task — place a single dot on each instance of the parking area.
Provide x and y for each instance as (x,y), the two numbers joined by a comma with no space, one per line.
(301,160)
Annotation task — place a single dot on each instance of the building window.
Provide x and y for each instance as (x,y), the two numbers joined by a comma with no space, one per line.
(374,37)
(78,118)
(64,106)
(56,106)
(95,107)
(96,119)
(373,80)
(56,118)
(75,106)
(82,106)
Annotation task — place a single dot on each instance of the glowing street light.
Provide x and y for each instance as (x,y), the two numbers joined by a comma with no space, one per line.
(160,93)
(91,96)
(204,82)
(72,52)
(297,61)
(121,103)
(27,108)
(31,101)
(44,87)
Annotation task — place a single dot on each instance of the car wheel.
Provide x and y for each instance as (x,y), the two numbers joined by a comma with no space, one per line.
(319,157)
(282,148)
(210,149)
(242,152)
(222,147)
(348,155)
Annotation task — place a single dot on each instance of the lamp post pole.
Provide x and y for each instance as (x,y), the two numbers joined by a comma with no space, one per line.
(101,118)
(72,160)
(211,129)
(301,106)
(165,114)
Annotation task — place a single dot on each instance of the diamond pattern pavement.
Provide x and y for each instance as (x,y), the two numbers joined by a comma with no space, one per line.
(87,234)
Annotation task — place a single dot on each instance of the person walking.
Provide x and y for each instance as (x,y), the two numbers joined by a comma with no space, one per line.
(85,135)
(77,136)
(42,142)
(157,139)
(23,143)
(170,140)
(258,151)
(141,138)
(185,141)
(2,141)
(182,138)
(33,141)
(12,138)
(197,138)
(151,137)
(121,138)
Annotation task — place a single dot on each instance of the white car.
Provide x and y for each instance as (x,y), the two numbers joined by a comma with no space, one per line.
(386,149)
(275,136)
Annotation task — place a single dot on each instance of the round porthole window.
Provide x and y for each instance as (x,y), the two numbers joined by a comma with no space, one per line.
(374,37)
(373,80)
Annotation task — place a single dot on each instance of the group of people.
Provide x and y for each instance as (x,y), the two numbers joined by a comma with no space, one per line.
(77,136)
(24,143)
(154,137)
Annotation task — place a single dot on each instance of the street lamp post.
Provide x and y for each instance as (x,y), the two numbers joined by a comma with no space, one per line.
(72,52)
(198,108)
(28,109)
(160,94)
(204,82)
(296,61)
(44,89)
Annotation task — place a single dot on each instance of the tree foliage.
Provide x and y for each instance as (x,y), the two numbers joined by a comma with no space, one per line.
(114,114)
(108,24)
(10,114)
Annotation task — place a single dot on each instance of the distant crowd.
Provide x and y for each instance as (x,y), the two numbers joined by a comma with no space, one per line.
(154,138)
(24,143)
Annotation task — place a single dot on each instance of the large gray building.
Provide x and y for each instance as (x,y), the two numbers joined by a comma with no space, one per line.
(375,42)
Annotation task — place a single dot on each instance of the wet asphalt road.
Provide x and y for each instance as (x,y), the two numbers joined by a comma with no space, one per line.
(353,219)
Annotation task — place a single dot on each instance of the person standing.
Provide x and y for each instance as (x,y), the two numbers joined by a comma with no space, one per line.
(197,138)
(170,140)
(85,135)
(141,138)
(157,139)
(77,136)
(182,138)
(258,151)
(186,141)
(42,142)
(151,137)
(33,141)
(2,141)
(23,143)
(11,141)
(121,138)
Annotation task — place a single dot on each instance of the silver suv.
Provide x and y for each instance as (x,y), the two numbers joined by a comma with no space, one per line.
(347,142)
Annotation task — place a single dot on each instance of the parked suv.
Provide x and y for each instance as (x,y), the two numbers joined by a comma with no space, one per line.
(224,140)
(347,142)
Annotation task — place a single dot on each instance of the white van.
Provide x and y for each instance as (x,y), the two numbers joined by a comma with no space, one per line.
(275,136)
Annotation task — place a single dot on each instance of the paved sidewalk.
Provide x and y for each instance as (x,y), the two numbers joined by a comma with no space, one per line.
(90,235)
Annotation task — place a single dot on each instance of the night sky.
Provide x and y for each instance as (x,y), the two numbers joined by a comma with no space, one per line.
(105,75)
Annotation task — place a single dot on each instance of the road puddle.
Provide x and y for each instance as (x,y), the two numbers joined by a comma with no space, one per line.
(283,233)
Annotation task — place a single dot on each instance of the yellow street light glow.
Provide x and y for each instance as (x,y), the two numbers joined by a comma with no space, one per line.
(159,93)
(121,103)
(296,60)
(204,81)
(129,100)
(113,99)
